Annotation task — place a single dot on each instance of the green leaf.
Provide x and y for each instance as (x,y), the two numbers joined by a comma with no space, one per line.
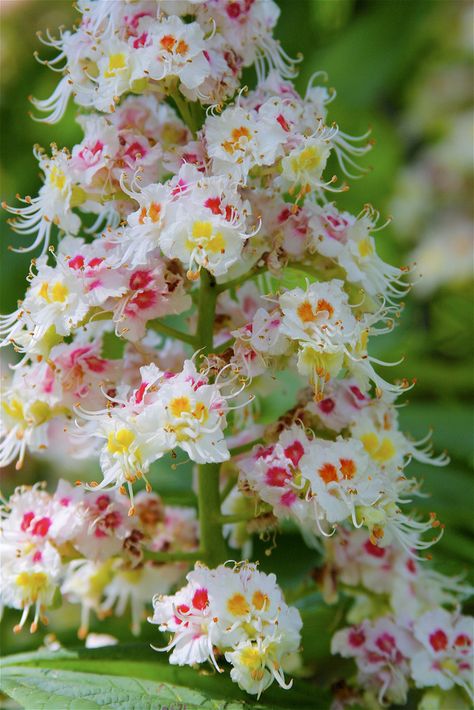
(133,674)
(452,427)
(49,688)
(376,50)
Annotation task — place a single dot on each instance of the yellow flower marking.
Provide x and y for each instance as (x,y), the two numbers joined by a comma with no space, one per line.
(40,411)
(57,178)
(33,583)
(260,600)
(252,659)
(308,160)
(57,293)
(14,409)
(238,605)
(179,406)
(205,238)
(448,664)
(116,62)
(365,248)
(381,450)
(119,442)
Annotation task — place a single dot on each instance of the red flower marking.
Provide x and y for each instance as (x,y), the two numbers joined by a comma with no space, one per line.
(102,502)
(112,520)
(277,476)
(135,151)
(26,520)
(373,550)
(356,637)
(200,599)
(96,364)
(233,10)
(135,19)
(41,527)
(288,499)
(294,452)
(141,41)
(143,300)
(141,392)
(76,262)
(180,187)
(140,279)
(463,641)
(264,451)
(214,204)
(189,158)
(182,609)
(357,393)
(284,215)
(327,405)
(438,640)
(283,123)
(96,261)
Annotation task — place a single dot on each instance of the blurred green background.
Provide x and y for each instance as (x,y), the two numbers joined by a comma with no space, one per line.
(377,54)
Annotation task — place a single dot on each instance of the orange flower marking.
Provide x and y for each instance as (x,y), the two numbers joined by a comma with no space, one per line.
(260,600)
(182,47)
(348,468)
(305,312)
(153,212)
(168,42)
(234,143)
(324,305)
(328,473)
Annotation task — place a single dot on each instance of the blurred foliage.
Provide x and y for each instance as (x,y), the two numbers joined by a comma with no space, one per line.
(370,50)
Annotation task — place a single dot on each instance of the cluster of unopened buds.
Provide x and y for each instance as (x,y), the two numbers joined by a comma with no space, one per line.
(205,200)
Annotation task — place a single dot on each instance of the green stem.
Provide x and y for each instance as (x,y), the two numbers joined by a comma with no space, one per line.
(161,327)
(173,556)
(209,501)
(189,111)
(207,298)
(234,283)
(245,447)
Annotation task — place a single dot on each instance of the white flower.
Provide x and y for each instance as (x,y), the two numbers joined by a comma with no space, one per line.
(239,612)
(206,224)
(382,650)
(164,413)
(320,320)
(445,658)
(173,49)
(237,141)
(52,206)
(305,164)
(30,583)
(340,478)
